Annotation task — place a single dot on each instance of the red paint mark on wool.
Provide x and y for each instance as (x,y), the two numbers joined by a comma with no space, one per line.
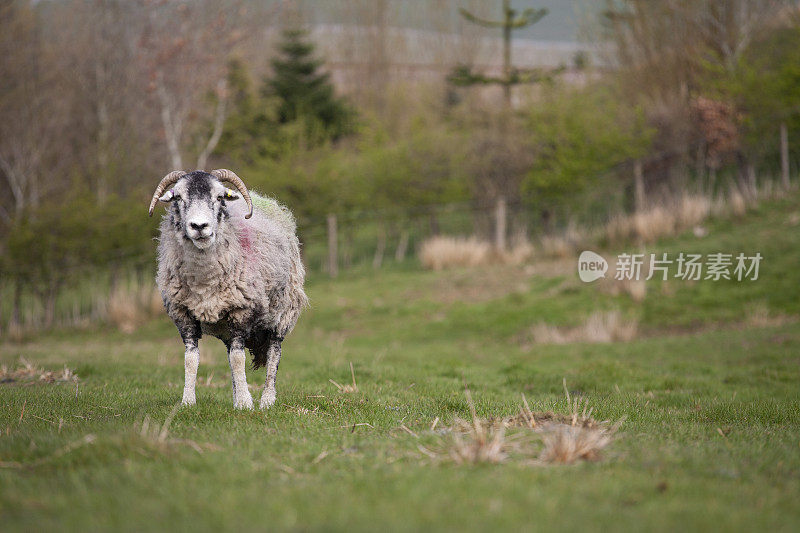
(244,240)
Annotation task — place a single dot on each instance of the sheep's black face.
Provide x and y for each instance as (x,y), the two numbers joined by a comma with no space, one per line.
(198,207)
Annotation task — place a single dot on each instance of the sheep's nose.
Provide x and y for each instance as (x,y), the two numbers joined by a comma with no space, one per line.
(198,227)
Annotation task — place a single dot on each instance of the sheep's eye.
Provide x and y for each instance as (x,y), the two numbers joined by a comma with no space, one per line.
(219,198)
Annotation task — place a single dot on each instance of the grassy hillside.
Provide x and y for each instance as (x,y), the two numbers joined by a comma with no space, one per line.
(707,387)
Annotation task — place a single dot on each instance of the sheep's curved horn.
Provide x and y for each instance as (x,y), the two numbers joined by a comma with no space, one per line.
(166,181)
(223,174)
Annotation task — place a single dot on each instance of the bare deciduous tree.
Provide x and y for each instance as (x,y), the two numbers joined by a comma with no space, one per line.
(662,48)
(186,49)
(30,120)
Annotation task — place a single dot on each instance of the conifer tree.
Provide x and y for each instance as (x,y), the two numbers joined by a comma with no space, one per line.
(304,92)
(463,76)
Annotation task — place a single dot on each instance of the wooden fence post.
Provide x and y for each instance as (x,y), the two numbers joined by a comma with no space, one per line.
(402,246)
(784,155)
(500,225)
(752,184)
(377,259)
(333,259)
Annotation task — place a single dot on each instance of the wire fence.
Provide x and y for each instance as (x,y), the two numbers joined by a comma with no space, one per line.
(359,239)
(373,239)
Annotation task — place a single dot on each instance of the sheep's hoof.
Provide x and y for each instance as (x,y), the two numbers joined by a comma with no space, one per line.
(243,402)
(188,398)
(267,399)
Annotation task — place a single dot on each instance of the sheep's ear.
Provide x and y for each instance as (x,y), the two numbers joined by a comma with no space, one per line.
(167,196)
(230,194)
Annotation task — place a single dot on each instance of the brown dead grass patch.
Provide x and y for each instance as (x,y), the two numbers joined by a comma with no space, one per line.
(636,289)
(440,253)
(30,373)
(760,316)
(569,444)
(599,327)
(563,245)
(129,306)
(478,442)
(661,220)
(347,389)
(536,437)
(148,433)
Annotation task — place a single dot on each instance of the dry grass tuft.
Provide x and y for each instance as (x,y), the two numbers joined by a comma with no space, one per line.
(669,217)
(69,448)
(692,210)
(645,226)
(648,226)
(609,327)
(15,332)
(30,372)
(520,252)
(131,306)
(760,316)
(482,443)
(155,436)
(440,253)
(635,288)
(736,203)
(580,416)
(300,410)
(567,444)
(153,432)
(599,327)
(544,437)
(582,438)
(347,389)
(564,245)
(479,447)
(557,246)
(659,221)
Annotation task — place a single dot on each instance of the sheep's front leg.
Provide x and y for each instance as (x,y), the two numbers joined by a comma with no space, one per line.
(236,358)
(191,360)
(190,333)
(273,359)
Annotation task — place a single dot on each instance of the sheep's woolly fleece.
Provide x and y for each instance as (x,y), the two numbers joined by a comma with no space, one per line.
(275,210)
(210,289)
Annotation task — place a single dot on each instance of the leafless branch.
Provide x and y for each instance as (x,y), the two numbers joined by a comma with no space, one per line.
(173,126)
(219,123)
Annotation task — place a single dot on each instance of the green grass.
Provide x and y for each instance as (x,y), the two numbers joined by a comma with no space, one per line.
(711,437)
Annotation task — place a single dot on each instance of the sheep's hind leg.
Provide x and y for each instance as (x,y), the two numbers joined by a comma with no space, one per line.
(273,359)
(236,358)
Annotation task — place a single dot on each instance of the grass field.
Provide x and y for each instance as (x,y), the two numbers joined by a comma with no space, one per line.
(709,390)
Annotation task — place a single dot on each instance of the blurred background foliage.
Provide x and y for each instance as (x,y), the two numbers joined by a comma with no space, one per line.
(587,133)
(346,109)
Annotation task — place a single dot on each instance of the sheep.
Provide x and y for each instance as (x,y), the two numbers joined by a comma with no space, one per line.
(229,272)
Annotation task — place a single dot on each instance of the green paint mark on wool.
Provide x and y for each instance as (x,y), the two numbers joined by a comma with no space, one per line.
(274,210)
